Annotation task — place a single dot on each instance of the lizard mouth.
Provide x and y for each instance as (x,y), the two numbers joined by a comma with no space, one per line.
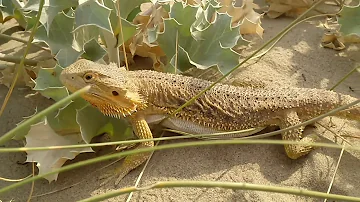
(108,107)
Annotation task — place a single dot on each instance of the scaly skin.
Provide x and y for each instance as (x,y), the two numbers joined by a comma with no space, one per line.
(147,95)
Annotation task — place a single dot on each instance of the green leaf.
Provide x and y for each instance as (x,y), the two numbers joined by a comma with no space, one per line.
(49,85)
(128,31)
(85,34)
(133,14)
(152,34)
(93,51)
(60,36)
(128,28)
(127,6)
(64,121)
(205,15)
(55,93)
(66,57)
(7,8)
(118,129)
(10,9)
(30,19)
(99,124)
(183,62)
(92,13)
(48,77)
(50,9)
(350,20)
(204,48)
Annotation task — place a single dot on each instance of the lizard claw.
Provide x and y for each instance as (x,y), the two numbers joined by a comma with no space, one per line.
(119,174)
(106,178)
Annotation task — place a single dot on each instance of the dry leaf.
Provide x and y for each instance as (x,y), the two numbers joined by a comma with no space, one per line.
(291,8)
(244,15)
(150,19)
(42,135)
(333,41)
(25,77)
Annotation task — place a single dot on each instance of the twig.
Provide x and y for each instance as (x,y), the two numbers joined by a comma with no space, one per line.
(7,37)
(122,35)
(21,65)
(17,60)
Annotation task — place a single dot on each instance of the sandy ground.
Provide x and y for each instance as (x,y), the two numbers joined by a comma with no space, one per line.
(298,60)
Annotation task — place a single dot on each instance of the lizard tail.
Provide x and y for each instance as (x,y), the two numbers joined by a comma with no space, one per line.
(351,114)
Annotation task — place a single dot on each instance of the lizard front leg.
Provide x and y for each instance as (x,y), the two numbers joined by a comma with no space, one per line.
(142,131)
(294,151)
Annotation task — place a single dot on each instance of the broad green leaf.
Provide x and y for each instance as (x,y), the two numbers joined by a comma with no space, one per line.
(7,8)
(48,77)
(127,6)
(49,85)
(183,61)
(50,10)
(211,7)
(166,39)
(152,34)
(216,39)
(66,57)
(92,13)
(90,120)
(128,28)
(93,51)
(64,121)
(128,31)
(350,20)
(85,34)
(185,16)
(220,31)
(55,93)
(60,36)
(118,129)
(30,18)
(133,14)
(205,48)
(99,124)
(213,45)
(204,17)
(10,9)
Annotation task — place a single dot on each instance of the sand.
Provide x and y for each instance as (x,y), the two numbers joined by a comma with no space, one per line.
(298,60)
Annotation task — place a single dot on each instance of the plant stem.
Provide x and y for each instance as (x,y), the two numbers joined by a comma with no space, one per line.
(21,65)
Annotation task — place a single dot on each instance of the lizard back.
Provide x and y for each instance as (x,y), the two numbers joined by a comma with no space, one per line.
(226,107)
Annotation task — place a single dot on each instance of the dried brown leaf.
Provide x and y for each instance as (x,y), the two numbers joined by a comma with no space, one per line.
(243,15)
(23,80)
(291,8)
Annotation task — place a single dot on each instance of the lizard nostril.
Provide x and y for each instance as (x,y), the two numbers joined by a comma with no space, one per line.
(115,93)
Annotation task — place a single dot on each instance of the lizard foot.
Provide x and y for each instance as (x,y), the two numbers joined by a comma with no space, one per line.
(310,136)
(295,151)
(118,173)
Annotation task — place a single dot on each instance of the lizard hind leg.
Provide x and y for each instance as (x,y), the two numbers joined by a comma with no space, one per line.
(295,151)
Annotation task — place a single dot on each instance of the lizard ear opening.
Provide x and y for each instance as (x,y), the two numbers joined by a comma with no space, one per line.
(115,93)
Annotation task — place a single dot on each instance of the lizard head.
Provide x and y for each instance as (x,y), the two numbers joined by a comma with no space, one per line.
(112,91)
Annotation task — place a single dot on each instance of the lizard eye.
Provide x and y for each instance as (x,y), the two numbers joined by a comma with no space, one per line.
(88,77)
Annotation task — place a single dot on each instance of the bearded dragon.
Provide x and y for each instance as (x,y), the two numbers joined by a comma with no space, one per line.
(146,96)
